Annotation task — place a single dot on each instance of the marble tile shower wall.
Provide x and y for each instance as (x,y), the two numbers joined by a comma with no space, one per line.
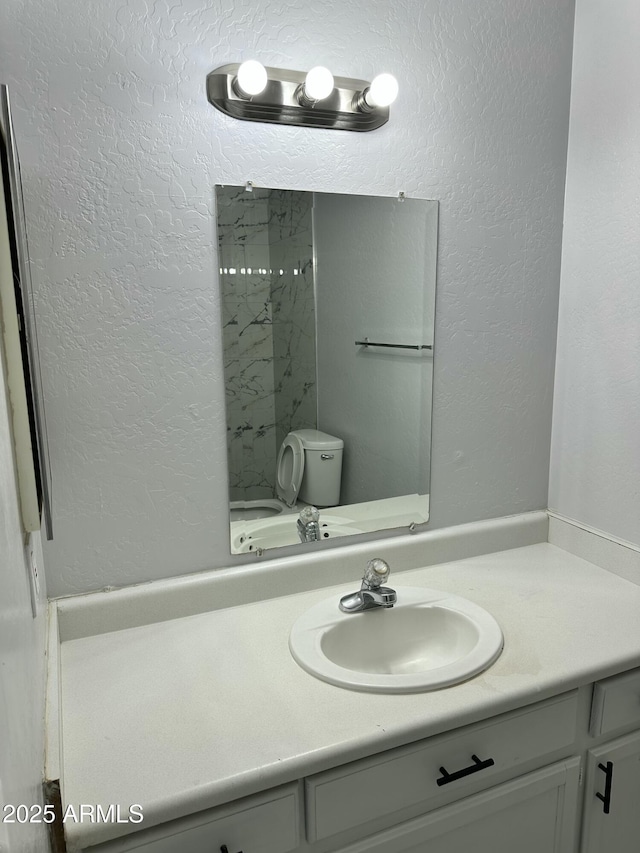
(294,312)
(266,276)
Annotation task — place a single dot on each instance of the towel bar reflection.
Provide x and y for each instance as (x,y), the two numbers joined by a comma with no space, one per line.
(367,343)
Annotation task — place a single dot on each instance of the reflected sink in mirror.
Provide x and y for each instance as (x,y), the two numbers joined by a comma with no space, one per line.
(427,641)
(247,510)
(260,524)
(249,536)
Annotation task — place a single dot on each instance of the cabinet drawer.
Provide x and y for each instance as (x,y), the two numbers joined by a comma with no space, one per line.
(430,773)
(266,823)
(616,703)
(530,814)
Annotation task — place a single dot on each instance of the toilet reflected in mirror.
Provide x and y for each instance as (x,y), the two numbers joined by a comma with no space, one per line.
(309,468)
(328,315)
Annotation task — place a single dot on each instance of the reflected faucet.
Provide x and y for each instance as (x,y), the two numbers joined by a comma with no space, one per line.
(309,524)
(371,594)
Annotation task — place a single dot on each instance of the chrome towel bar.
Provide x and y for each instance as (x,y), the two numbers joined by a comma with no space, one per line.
(367,343)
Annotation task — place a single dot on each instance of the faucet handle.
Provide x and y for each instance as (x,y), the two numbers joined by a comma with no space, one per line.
(309,514)
(376,573)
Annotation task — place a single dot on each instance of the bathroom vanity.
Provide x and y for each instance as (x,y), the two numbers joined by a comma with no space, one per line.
(494,803)
(206,722)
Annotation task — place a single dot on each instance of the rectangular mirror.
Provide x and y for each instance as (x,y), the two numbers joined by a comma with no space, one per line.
(328,316)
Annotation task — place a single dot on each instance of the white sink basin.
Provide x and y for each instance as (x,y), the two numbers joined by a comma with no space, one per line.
(427,641)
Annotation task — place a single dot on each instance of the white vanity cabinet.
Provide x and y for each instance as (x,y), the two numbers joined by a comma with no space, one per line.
(265,823)
(510,781)
(540,779)
(611,817)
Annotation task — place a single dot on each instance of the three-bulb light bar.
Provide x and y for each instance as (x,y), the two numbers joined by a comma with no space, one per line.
(251,92)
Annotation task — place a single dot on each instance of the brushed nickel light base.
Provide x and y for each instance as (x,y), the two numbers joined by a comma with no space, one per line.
(280,102)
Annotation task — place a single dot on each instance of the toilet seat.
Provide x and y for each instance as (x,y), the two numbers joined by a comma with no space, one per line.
(290,468)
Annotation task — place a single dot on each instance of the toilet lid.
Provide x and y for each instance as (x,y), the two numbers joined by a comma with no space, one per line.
(290,469)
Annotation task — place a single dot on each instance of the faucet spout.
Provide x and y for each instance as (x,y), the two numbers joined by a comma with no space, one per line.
(357,602)
(371,594)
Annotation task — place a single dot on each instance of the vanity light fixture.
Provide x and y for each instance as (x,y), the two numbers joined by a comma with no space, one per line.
(251,92)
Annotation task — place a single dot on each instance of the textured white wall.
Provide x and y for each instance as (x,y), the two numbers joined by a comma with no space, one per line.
(22,655)
(120,153)
(595,463)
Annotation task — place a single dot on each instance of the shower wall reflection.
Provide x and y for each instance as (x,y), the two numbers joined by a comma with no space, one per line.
(266,277)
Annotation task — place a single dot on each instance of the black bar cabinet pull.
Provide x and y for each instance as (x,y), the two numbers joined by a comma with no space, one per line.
(225,849)
(608,779)
(466,771)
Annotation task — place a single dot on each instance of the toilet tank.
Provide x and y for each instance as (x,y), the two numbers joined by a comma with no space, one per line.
(322,467)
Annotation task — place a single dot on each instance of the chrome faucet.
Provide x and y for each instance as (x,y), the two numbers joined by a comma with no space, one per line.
(371,594)
(309,524)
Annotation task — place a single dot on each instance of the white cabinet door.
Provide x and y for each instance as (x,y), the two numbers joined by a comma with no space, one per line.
(612,797)
(535,813)
(264,823)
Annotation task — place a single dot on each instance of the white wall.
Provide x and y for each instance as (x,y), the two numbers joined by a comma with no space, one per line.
(22,646)
(375,278)
(595,462)
(120,152)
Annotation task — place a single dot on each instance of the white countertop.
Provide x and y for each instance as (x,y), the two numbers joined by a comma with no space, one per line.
(190,713)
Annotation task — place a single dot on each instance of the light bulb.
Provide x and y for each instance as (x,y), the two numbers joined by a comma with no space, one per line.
(383,91)
(318,83)
(251,79)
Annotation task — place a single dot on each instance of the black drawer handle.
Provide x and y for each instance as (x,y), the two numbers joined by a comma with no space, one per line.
(225,849)
(466,771)
(608,779)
